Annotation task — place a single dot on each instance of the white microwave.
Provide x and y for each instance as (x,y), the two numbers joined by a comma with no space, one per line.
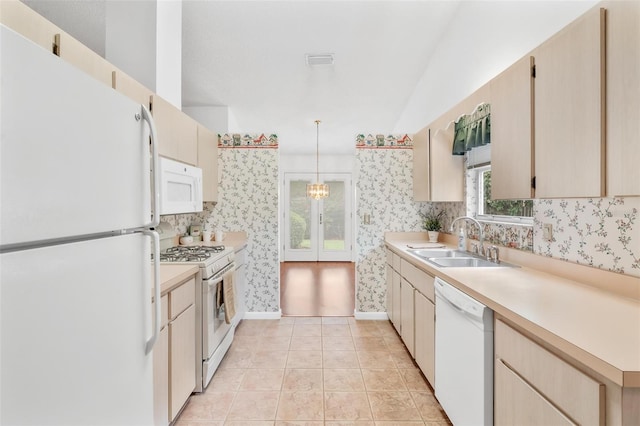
(180,187)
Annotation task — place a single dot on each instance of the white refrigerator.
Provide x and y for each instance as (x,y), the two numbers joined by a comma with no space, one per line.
(77,204)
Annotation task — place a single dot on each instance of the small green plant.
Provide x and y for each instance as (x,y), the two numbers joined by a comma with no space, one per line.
(432,221)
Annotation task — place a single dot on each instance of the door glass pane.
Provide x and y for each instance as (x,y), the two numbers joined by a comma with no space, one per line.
(300,215)
(333,217)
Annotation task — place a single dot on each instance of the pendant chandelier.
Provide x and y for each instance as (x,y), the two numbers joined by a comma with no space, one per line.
(317,190)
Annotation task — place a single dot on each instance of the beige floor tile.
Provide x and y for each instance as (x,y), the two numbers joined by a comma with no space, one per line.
(364,331)
(269,359)
(428,407)
(208,406)
(346,406)
(393,405)
(386,328)
(259,379)
(237,358)
(337,343)
(364,343)
(303,380)
(305,343)
(348,423)
(249,328)
(399,423)
(335,320)
(254,406)
(336,330)
(274,343)
(414,380)
(198,423)
(287,320)
(307,329)
(278,330)
(340,359)
(300,406)
(298,423)
(308,320)
(403,359)
(383,380)
(304,359)
(226,379)
(345,380)
(375,359)
(394,343)
(247,423)
(246,342)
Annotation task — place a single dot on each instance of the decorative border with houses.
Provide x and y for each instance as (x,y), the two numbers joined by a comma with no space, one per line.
(246,140)
(380,141)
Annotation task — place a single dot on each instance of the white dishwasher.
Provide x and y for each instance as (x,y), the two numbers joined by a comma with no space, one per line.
(464,356)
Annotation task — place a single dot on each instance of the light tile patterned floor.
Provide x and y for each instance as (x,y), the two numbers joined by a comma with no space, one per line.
(315,371)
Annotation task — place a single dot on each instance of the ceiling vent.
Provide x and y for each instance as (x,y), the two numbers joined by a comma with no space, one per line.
(319,59)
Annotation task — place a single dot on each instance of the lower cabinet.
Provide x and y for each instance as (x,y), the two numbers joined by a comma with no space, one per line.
(240,284)
(534,387)
(407,315)
(425,316)
(396,284)
(174,355)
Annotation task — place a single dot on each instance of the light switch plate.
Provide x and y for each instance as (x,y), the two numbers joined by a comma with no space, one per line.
(547,232)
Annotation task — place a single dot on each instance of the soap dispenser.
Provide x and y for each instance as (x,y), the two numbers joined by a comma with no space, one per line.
(462,240)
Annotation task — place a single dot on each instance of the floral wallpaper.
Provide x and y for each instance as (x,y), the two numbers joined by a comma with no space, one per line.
(247,201)
(384,190)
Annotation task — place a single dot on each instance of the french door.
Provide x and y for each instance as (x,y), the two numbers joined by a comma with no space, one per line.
(317,230)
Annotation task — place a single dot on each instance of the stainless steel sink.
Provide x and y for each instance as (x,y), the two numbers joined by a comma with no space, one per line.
(447,258)
(463,262)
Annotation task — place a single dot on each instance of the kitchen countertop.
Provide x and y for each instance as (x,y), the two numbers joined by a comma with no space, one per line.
(235,240)
(600,329)
(172,275)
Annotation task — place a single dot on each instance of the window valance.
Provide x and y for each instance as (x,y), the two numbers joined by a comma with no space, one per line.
(472,130)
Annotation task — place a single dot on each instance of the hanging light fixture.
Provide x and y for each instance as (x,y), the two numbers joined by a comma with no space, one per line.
(317,190)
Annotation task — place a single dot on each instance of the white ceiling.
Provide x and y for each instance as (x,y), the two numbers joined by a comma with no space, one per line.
(250,56)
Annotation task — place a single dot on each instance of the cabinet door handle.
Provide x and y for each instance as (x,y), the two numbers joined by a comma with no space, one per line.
(320,218)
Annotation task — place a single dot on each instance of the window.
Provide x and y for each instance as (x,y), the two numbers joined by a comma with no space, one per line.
(519,211)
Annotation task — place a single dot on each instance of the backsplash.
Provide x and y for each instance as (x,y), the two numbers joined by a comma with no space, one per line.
(247,201)
(384,188)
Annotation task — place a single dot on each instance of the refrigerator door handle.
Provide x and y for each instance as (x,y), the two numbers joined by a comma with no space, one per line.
(155,168)
(156,290)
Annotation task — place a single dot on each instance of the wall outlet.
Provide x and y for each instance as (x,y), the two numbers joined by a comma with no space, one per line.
(547,232)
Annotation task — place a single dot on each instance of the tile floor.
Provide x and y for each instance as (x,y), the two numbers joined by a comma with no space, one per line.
(314,371)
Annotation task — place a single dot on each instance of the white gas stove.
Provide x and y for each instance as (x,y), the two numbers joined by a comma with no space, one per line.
(211,259)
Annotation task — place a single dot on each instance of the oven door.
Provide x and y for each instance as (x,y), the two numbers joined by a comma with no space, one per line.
(214,327)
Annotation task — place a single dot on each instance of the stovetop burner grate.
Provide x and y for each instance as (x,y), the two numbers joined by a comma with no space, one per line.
(190,253)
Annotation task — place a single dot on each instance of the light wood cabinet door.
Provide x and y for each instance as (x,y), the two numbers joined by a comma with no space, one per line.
(406,315)
(437,174)
(425,315)
(569,110)
(623,99)
(389,294)
(24,20)
(517,403)
(396,283)
(512,132)
(161,379)
(177,132)
(79,55)
(182,359)
(208,162)
(131,88)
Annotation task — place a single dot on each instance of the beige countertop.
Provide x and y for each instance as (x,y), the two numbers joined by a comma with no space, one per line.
(172,275)
(235,240)
(598,328)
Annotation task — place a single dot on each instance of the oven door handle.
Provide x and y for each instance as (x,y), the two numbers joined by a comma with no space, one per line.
(214,281)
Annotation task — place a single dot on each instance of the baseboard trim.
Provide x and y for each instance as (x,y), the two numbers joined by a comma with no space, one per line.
(370,315)
(262,315)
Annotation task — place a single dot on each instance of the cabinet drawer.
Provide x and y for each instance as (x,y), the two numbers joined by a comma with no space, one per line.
(422,281)
(396,262)
(579,396)
(517,403)
(182,297)
(164,311)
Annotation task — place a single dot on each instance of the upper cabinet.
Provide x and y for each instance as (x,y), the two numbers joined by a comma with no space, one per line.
(177,132)
(130,87)
(569,110)
(623,100)
(512,132)
(208,162)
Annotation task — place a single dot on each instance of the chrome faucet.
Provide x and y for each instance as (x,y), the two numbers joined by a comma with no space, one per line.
(480,232)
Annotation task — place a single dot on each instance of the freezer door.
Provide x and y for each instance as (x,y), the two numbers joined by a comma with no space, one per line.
(75,319)
(75,153)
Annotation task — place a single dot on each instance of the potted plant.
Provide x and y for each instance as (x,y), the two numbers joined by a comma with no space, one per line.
(432,223)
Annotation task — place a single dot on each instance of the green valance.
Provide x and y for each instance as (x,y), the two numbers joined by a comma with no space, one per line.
(472,130)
